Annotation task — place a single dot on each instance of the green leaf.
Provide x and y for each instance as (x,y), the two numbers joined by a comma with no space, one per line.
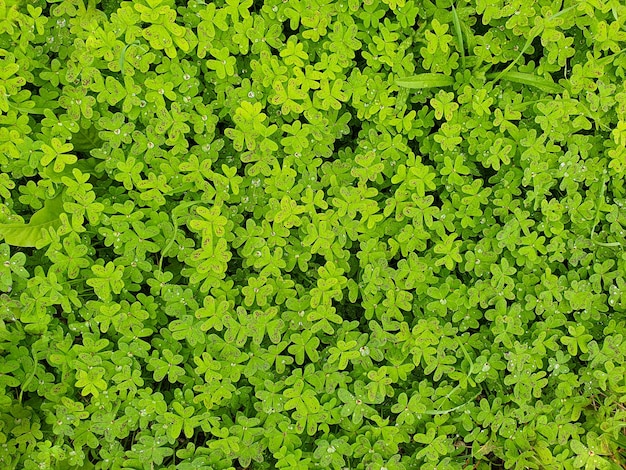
(529,79)
(30,234)
(86,139)
(459,34)
(534,32)
(425,80)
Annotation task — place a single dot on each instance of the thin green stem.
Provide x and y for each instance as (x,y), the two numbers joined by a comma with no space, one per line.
(450,410)
(171,242)
(27,110)
(599,201)
(30,378)
(123,53)
(585,111)
(596,219)
(468,379)
(534,32)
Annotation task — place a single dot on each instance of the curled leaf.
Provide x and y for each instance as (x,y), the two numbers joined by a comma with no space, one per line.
(28,235)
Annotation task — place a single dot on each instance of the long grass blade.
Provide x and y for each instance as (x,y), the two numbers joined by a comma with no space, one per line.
(530,79)
(425,80)
(459,34)
(534,32)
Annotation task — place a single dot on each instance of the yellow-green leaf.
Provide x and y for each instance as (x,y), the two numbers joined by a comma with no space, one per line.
(425,80)
(530,79)
(27,235)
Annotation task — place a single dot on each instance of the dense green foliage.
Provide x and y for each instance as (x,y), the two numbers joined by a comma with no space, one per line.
(343,234)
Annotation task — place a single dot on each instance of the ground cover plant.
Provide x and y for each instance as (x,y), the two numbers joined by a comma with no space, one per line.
(378,234)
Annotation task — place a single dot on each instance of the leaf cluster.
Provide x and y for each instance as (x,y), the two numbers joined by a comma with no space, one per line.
(312,234)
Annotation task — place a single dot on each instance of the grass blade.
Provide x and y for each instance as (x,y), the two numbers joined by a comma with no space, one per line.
(425,80)
(584,111)
(459,34)
(534,32)
(530,79)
